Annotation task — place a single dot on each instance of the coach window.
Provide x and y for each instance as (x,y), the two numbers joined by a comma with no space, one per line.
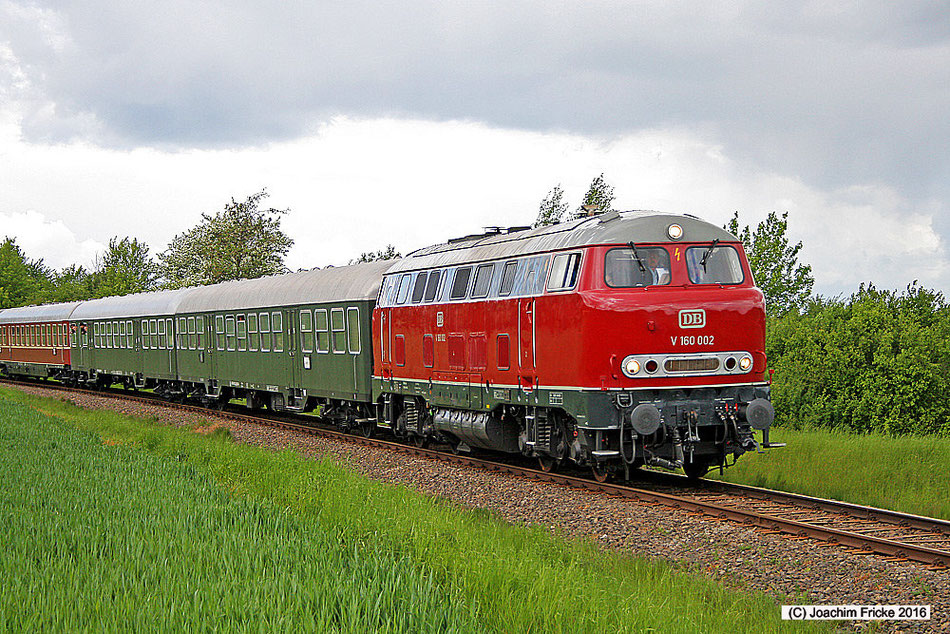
(242,333)
(144,334)
(323,330)
(181,333)
(219,331)
(432,285)
(460,282)
(153,334)
(162,335)
(419,288)
(564,271)
(252,334)
(122,338)
(95,335)
(110,340)
(277,326)
(115,334)
(265,332)
(403,294)
(508,278)
(353,329)
(192,336)
(338,326)
(306,331)
(482,280)
(201,332)
(170,329)
(129,331)
(229,331)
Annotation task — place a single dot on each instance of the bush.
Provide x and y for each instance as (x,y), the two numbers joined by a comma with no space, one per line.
(876,361)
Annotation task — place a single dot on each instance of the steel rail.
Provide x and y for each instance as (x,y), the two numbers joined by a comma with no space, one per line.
(875,545)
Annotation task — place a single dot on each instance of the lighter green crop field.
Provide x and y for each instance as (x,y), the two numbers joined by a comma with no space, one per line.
(903,473)
(112,523)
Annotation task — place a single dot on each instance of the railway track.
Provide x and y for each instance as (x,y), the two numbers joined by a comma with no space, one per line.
(892,535)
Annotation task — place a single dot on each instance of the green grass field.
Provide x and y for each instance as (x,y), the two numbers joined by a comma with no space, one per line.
(112,523)
(904,473)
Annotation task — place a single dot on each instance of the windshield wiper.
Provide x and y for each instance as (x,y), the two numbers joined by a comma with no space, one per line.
(707,254)
(636,256)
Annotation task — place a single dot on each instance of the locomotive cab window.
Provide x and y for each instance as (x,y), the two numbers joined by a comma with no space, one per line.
(564,271)
(642,266)
(714,265)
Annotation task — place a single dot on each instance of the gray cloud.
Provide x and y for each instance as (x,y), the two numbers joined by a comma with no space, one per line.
(835,93)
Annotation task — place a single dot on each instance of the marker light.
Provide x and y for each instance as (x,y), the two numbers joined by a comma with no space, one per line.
(631,366)
(745,363)
(675,231)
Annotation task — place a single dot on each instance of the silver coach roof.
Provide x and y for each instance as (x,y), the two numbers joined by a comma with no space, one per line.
(139,304)
(608,228)
(342,283)
(46,312)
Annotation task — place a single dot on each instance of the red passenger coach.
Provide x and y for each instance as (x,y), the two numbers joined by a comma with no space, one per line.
(614,341)
(34,341)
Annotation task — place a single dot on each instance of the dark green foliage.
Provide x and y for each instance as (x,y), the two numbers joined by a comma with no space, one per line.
(876,361)
(242,241)
(552,208)
(124,268)
(774,262)
(22,281)
(389,253)
(598,199)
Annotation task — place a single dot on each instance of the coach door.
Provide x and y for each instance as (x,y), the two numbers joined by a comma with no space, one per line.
(526,341)
(292,319)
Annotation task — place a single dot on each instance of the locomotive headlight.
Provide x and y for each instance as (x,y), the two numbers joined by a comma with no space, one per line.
(745,363)
(674,231)
(630,366)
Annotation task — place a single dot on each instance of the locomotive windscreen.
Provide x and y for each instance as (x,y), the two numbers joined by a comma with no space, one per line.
(647,266)
(716,265)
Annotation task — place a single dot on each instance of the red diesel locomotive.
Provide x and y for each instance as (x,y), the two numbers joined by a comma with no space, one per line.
(613,341)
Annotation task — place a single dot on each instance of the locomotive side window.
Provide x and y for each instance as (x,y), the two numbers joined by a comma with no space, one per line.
(306,331)
(403,293)
(503,352)
(714,265)
(277,327)
(419,288)
(254,337)
(338,326)
(432,286)
(564,271)
(508,278)
(242,333)
(483,277)
(323,330)
(219,331)
(643,266)
(460,283)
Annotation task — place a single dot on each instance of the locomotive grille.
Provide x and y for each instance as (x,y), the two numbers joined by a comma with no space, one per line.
(695,364)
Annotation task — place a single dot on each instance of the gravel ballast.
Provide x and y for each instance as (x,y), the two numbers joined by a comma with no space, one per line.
(790,570)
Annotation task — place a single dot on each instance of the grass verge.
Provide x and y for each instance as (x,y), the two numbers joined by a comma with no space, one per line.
(903,473)
(197,531)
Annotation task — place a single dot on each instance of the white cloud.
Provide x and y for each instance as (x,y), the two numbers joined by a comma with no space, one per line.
(356,185)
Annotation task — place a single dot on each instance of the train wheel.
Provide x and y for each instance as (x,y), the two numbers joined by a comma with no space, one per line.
(366,430)
(419,441)
(547,463)
(601,472)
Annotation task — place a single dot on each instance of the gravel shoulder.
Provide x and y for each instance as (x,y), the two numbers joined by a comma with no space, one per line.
(792,571)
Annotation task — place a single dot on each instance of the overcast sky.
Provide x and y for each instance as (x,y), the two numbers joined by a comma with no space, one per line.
(413,122)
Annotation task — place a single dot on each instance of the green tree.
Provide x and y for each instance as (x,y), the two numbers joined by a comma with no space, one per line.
(552,208)
(22,281)
(243,241)
(388,253)
(126,267)
(774,261)
(74,283)
(599,199)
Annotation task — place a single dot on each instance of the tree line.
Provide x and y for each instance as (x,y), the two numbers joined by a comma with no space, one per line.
(876,360)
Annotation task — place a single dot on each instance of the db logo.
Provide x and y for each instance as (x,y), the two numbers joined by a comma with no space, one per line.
(692,318)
